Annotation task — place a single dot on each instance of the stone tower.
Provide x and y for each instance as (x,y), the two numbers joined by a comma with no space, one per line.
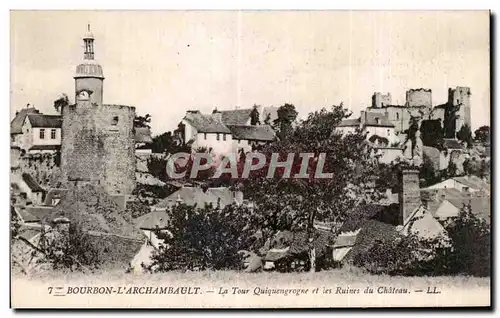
(460,96)
(409,195)
(97,139)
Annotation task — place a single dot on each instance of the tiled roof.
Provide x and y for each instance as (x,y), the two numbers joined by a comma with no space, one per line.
(39,212)
(16,124)
(196,195)
(23,214)
(473,182)
(32,184)
(45,147)
(258,133)
(481,207)
(349,123)
(236,116)
(452,144)
(45,121)
(152,220)
(359,215)
(143,135)
(206,123)
(370,232)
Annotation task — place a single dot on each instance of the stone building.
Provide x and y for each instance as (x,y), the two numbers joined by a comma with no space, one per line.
(97,143)
(419,105)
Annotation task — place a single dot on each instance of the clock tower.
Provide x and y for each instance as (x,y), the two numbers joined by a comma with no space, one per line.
(89,77)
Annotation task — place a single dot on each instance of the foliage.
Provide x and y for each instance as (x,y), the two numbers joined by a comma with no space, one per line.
(142,121)
(69,246)
(432,133)
(292,203)
(482,134)
(467,252)
(254,116)
(204,238)
(137,208)
(267,120)
(61,102)
(480,168)
(465,135)
(168,143)
(283,124)
(428,173)
(450,117)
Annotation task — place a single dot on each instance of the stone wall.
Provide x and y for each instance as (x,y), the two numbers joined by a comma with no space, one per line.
(419,97)
(98,146)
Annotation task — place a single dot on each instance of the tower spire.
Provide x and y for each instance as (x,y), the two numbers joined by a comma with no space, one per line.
(88,41)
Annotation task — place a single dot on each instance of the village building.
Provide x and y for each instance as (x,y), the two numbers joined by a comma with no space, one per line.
(228,131)
(464,184)
(379,131)
(371,223)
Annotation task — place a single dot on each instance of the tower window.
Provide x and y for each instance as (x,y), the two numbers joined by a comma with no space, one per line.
(218,136)
(205,136)
(52,134)
(114,122)
(42,133)
(224,137)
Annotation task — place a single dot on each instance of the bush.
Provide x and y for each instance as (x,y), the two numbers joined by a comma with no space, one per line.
(69,247)
(204,238)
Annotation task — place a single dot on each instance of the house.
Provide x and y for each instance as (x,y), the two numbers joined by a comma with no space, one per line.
(199,197)
(206,131)
(26,184)
(465,184)
(225,132)
(379,131)
(36,132)
(369,223)
(53,196)
(446,204)
(143,140)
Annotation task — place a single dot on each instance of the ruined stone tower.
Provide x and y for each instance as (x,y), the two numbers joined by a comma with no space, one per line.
(97,139)
(460,96)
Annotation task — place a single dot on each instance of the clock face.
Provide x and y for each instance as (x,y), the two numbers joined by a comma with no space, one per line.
(83,95)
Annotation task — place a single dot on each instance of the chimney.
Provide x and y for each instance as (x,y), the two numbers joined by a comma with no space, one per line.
(363,118)
(238,197)
(217,115)
(409,196)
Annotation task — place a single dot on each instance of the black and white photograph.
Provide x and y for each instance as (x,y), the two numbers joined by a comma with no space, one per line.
(250,159)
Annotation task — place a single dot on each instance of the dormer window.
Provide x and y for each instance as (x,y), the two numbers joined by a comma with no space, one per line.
(114,121)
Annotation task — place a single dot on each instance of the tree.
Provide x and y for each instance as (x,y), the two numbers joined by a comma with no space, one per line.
(254,116)
(431,133)
(283,124)
(267,120)
(142,121)
(465,135)
(294,204)
(482,134)
(199,238)
(61,102)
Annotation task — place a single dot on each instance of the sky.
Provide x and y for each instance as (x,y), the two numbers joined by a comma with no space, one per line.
(167,62)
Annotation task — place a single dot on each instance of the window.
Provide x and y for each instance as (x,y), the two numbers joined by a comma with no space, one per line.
(388,132)
(52,134)
(114,122)
(397,116)
(218,136)
(42,133)
(224,137)
(205,136)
